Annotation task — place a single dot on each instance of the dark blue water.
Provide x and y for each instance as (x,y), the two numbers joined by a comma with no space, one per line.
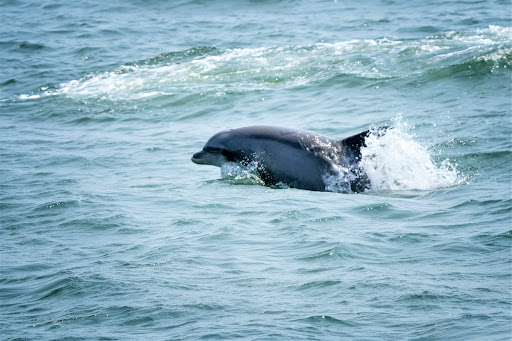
(109,232)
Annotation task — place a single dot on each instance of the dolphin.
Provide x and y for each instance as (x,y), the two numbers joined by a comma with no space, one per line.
(294,158)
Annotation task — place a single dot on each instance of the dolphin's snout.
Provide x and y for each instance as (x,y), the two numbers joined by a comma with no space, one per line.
(202,158)
(205,157)
(196,157)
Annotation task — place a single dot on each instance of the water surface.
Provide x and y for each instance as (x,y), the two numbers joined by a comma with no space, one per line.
(108,230)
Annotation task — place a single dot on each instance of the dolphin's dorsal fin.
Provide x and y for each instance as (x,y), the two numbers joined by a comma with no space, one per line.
(353,144)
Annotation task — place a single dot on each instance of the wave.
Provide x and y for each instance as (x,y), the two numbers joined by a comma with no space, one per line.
(21,46)
(210,71)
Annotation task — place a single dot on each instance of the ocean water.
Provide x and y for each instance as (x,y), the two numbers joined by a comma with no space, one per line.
(109,232)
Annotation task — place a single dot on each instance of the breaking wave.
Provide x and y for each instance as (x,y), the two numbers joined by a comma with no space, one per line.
(210,71)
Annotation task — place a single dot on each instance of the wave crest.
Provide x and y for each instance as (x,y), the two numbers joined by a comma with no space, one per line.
(209,71)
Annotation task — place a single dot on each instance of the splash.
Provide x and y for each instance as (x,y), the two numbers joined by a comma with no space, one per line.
(339,180)
(241,175)
(395,161)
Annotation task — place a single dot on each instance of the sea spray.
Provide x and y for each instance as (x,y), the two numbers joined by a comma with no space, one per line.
(242,175)
(395,161)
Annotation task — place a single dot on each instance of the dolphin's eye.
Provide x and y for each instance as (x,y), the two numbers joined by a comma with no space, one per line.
(212,150)
(224,152)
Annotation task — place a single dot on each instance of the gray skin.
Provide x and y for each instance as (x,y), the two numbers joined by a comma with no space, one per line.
(299,159)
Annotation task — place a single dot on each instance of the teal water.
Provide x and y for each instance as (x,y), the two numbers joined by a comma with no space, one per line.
(109,232)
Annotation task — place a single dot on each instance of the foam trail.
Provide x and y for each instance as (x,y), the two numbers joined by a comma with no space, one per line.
(213,72)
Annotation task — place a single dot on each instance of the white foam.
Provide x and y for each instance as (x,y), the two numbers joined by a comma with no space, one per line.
(501,32)
(395,161)
(28,97)
(266,68)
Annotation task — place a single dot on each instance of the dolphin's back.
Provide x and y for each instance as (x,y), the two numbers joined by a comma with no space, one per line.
(299,159)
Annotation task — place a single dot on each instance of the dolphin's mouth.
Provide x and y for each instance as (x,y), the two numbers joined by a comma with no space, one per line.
(205,158)
(201,157)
